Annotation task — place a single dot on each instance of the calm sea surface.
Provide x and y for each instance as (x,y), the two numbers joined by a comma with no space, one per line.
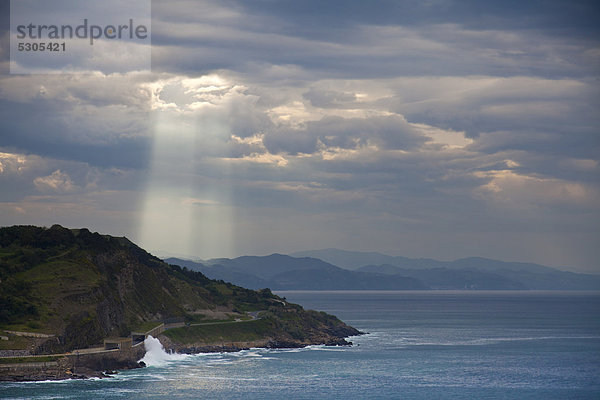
(421,345)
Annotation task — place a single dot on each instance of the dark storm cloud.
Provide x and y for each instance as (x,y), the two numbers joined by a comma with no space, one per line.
(38,128)
(359,39)
(388,125)
(316,15)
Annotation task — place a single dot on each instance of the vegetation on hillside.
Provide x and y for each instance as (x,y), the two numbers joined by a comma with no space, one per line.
(83,286)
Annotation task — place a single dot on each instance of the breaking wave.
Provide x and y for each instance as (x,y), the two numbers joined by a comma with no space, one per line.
(156,356)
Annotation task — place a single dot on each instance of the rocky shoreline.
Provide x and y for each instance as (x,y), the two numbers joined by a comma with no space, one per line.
(239,346)
(105,367)
(74,366)
(59,372)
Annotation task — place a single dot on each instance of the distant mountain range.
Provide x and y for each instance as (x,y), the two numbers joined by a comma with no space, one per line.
(333,269)
(282,272)
(355,259)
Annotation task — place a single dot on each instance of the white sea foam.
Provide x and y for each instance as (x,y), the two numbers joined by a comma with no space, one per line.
(414,341)
(291,350)
(52,381)
(156,356)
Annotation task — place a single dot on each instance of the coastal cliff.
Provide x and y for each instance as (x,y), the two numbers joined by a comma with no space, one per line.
(71,289)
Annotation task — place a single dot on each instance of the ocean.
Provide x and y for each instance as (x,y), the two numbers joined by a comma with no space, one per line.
(420,345)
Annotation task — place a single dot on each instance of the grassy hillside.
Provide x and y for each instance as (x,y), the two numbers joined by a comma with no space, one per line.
(83,287)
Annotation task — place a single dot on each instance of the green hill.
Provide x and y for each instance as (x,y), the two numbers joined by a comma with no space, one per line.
(83,287)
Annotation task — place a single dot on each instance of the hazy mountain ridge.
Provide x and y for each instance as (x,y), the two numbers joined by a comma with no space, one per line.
(282,272)
(266,267)
(354,260)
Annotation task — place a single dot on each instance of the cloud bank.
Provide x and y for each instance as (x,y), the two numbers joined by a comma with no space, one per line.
(432,129)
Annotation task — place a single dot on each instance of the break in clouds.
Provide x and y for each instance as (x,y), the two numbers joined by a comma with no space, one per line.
(264,129)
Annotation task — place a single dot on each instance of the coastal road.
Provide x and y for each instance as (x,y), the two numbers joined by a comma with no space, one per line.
(252,314)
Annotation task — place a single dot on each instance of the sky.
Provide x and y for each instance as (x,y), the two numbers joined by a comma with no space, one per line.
(430,128)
